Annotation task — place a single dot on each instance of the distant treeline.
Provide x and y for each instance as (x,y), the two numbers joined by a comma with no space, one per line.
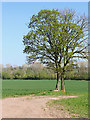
(38,71)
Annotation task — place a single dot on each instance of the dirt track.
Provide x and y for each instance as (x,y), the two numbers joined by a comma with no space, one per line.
(31,107)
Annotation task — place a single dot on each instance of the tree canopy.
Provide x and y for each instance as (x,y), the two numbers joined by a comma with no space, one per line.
(56,38)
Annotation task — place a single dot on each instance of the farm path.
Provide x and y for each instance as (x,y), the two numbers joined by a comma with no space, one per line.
(32,107)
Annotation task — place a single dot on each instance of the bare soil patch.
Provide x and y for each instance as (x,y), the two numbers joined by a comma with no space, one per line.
(32,107)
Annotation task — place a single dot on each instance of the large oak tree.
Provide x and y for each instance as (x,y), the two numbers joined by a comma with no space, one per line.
(56,38)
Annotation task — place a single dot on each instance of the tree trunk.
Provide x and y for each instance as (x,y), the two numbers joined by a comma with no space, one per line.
(62,84)
(58,82)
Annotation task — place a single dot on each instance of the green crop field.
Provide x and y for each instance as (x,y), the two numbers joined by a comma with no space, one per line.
(26,87)
(79,105)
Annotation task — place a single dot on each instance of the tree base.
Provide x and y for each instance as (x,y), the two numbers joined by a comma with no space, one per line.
(63,90)
(56,90)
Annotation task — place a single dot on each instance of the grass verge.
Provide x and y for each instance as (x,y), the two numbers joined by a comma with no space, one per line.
(76,106)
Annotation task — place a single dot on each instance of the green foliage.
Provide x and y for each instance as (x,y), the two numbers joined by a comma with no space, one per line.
(18,74)
(55,37)
(32,72)
(7,75)
(40,73)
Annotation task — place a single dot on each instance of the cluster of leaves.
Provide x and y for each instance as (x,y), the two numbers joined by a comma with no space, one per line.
(34,71)
(39,71)
(56,37)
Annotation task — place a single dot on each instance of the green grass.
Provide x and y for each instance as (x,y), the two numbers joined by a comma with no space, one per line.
(41,87)
(78,106)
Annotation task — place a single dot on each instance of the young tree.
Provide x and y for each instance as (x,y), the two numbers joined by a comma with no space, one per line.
(56,38)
